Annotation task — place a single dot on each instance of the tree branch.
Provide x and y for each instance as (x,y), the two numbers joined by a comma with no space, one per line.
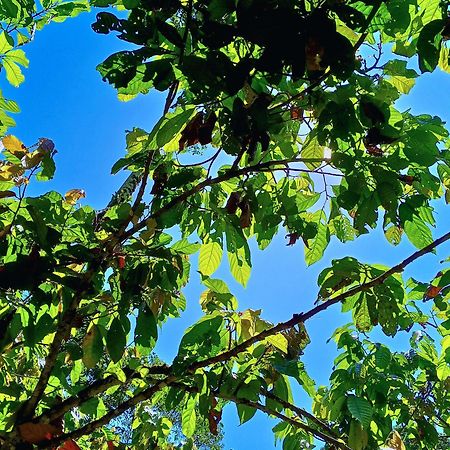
(296,423)
(210,182)
(93,390)
(303,317)
(111,414)
(299,411)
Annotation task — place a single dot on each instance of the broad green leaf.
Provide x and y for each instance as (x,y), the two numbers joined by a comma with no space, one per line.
(6,43)
(360,409)
(116,340)
(312,150)
(357,437)
(245,412)
(239,267)
(383,357)
(172,126)
(394,235)
(189,417)
(92,347)
(209,258)
(13,73)
(361,314)
(428,45)
(185,247)
(403,84)
(279,341)
(146,331)
(418,232)
(216,285)
(316,246)
(444,59)
(18,56)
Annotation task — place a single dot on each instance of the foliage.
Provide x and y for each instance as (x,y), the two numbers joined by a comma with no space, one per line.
(300,130)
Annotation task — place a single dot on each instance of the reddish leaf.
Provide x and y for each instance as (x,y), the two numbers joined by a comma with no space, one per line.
(296,113)
(69,445)
(433,292)
(292,238)
(111,445)
(408,179)
(374,150)
(189,135)
(121,261)
(246,217)
(37,432)
(214,417)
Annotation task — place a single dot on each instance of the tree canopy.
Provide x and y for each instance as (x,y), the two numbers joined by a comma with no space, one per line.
(280,116)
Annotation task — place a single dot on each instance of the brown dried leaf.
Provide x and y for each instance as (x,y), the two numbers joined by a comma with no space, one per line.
(233,202)
(189,135)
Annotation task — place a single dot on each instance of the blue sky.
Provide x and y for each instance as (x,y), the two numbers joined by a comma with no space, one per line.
(64,99)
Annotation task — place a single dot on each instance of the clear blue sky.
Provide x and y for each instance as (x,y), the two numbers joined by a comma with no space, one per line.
(64,99)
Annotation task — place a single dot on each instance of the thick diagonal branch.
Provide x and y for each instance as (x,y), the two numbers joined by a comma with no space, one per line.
(146,394)
(303,317)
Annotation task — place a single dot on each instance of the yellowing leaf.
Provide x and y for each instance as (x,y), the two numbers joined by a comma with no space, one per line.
(14,146)
(279,341)
(403,84)
(394,441)
(30,160)
(10,171)
(73,195)
(444,59)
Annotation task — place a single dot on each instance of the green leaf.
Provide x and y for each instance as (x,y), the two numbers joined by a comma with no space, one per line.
(360,409)
(312,150)
(189,417)
(209,258)
(18,56)
(383,357)
(361,314)
(92,347)
(394,235)
(245,412)
(6,43)
(418,232)
(428,45)
(317,245)
(357,437)
(171,126)
(239,267)
(185,247)
(116,340)
(146,331)
(215,285)
(13,73)
(421,148)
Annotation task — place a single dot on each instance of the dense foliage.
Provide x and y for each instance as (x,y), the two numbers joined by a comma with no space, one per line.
(279,114)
